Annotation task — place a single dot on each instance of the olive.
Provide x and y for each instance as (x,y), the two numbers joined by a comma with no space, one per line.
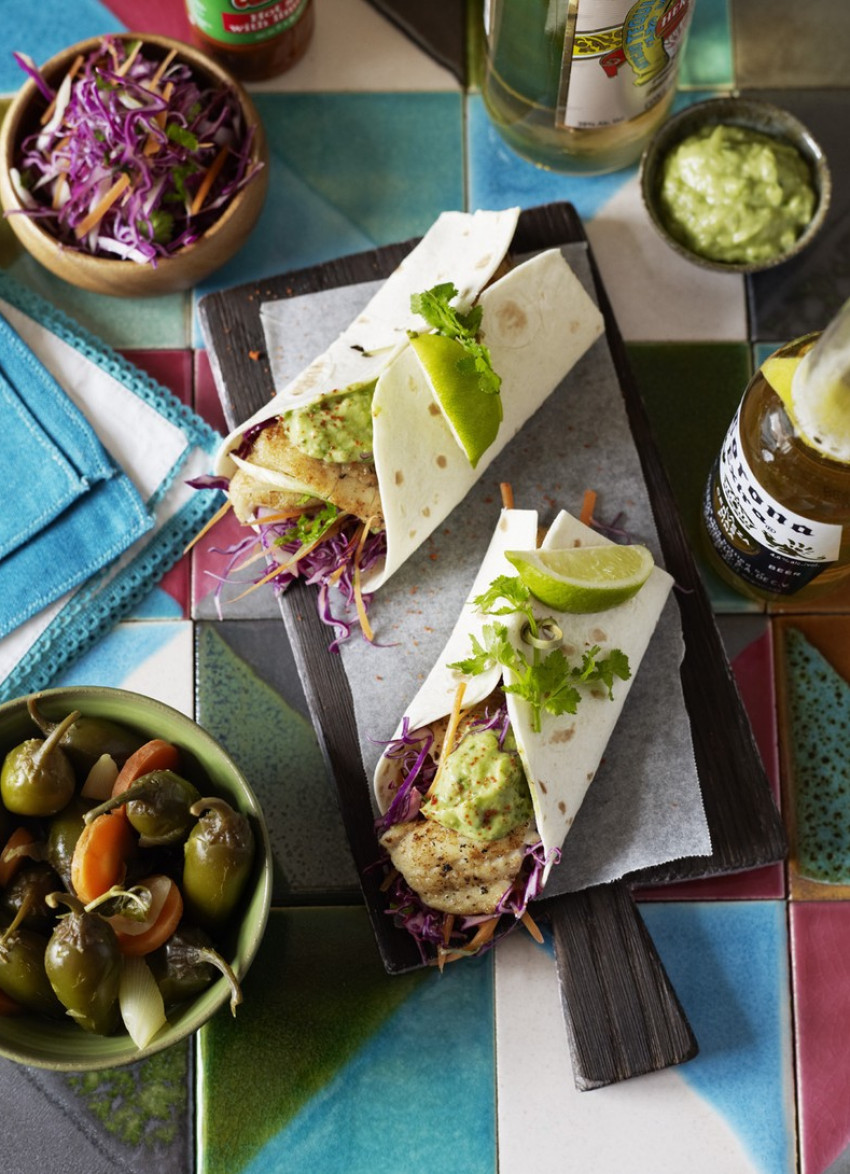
(187,964)
(22,972)
(83,964)
(217,861)
(36,777)
(63,831)
(29,890)
(158,807)
(89,738)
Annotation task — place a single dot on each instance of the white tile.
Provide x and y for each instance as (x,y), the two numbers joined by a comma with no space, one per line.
(656,294)
(658,1120)
(355,48)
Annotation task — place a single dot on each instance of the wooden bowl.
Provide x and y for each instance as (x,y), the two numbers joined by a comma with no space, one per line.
(123,278)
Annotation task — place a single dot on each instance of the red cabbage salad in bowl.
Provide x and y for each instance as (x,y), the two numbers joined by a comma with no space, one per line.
(135,157)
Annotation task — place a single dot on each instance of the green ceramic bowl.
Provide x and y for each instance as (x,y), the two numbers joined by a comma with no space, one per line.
(751,114)
(33,1040)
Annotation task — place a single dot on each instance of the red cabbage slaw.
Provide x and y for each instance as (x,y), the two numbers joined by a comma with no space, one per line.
(330,564)
(138,157)
(439,935)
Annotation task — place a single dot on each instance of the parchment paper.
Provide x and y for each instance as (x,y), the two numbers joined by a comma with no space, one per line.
(645,805)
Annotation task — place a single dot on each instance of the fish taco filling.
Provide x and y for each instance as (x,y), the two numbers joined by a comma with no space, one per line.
(460,835)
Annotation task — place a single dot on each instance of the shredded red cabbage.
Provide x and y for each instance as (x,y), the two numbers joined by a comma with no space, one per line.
(428,926)
(164,135)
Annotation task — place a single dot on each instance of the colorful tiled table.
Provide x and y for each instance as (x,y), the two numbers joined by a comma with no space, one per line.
(331,1065)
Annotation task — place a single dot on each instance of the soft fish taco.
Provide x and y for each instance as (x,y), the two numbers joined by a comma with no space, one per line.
(491,762)
(353,464)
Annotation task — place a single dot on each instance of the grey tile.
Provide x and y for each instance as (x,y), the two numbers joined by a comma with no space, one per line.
(786,43)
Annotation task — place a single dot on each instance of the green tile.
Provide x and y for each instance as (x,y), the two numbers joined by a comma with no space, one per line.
(707,61)
(123,323)
(331,1065)
(691,391)
(789,44)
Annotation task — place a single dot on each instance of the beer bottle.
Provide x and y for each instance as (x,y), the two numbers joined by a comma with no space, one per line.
(580,85)
(776,510)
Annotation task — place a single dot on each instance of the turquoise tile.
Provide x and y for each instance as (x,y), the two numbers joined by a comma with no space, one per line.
(499,178)
(708,60)
(728,964)
(333,1066)
(348,172)
(124,323)
(43,29)
(250,698)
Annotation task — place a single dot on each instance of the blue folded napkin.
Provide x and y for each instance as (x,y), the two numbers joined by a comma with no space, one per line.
(97,502)
(68,509)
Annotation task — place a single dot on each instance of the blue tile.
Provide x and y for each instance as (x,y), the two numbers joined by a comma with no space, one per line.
(348,172)
(707,60)
(42,29)
(728,963)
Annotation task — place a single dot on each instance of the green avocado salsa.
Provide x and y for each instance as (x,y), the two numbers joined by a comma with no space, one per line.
(336,428)
(482,790)
(736,195)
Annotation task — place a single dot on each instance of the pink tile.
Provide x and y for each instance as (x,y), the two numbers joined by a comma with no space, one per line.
(166,17)
(820,955)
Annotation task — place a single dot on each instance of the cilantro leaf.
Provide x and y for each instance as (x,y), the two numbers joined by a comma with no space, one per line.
(434,306)
(508,587)
(309,528)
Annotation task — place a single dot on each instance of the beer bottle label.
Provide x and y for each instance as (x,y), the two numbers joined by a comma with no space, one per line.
(244,22)
(759,539)
(619,59)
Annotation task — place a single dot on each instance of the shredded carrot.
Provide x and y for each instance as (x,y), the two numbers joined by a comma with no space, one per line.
(507,495)
(302,553)
(483,934)
(532,926)
(587,506)
(164,64)
(129,59)
(209,525)
(102,207)
(451,730)
(365,626)
(388,880)
(208,180)
(10,858)
(70,75)
(100,856)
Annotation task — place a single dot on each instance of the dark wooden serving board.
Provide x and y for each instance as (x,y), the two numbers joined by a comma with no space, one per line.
(622,1015)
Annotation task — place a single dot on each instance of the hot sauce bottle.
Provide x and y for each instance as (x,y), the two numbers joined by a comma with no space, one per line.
(253,39)
(776,512)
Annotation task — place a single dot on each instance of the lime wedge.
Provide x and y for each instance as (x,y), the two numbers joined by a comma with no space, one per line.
(584,578)
(819,409)
(472,415)
(779,370)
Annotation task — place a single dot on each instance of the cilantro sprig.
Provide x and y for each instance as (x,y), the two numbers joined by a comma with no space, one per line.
(434,305)
(548,683)
(309,528)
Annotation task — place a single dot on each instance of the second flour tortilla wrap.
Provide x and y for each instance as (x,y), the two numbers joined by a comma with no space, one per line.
(561,759)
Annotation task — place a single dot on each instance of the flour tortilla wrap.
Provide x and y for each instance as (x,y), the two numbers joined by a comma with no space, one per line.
(537,321)
(561,759)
